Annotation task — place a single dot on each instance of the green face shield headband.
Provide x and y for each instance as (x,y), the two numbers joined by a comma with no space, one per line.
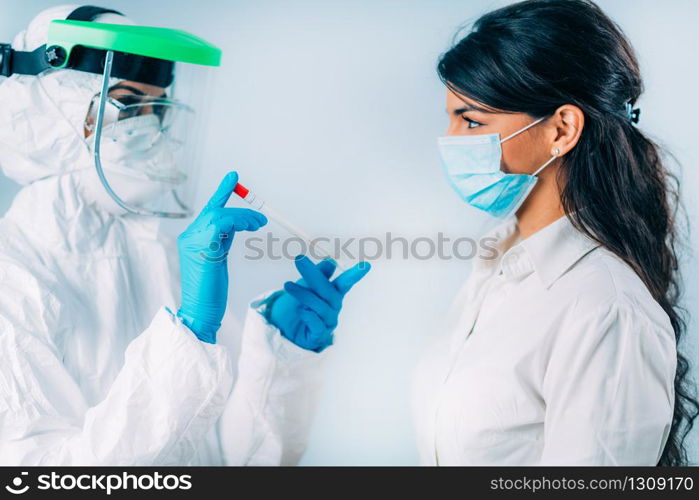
(83,58)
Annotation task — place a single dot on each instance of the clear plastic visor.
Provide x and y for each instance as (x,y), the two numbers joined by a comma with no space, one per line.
(144,141)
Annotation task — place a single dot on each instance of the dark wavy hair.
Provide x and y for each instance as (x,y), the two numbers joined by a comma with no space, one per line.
(536,55)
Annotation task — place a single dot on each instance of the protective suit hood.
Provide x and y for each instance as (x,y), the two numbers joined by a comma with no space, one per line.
(41,118)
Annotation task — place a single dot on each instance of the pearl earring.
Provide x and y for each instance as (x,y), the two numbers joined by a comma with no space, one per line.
(555,151)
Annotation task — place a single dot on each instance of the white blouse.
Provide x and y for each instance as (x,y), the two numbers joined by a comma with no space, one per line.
(555,354)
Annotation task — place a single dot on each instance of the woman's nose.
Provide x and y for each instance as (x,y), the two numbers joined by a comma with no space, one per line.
(452,129)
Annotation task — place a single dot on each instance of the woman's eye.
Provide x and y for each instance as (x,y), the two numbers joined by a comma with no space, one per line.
(471,123)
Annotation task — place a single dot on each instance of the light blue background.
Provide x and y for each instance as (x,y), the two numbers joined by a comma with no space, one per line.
(330,110)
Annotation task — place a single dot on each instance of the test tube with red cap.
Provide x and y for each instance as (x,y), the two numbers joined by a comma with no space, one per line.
(258,204)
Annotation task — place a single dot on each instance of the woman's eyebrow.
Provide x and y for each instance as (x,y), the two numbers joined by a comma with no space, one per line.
(468,107)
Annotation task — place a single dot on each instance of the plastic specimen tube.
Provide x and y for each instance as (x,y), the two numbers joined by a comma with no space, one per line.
(258,204)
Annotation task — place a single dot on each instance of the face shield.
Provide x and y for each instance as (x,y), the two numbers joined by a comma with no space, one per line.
(143,122)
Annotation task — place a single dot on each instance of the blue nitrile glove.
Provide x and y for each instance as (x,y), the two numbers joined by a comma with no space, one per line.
(306,311)
(203,249)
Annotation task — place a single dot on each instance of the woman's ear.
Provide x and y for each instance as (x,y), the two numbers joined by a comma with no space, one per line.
(569,121)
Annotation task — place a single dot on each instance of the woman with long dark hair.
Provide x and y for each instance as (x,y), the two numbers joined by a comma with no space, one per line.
(563,343)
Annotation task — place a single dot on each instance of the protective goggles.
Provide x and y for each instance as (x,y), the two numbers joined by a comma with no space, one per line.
(125,101)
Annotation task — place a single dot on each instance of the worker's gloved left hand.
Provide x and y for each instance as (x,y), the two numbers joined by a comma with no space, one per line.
(203,249)
(306,311)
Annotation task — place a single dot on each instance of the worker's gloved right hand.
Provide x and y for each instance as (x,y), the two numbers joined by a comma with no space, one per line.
(306,311)
(203,250)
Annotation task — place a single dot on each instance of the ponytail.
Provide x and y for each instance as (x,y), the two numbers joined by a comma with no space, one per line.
(619,192)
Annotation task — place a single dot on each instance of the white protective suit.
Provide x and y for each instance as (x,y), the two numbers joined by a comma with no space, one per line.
(94,369)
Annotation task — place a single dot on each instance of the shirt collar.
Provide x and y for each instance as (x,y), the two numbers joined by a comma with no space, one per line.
(549,252)
(556,248)
(494,243)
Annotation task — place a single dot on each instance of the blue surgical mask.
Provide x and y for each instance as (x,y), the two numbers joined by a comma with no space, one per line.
(472,166)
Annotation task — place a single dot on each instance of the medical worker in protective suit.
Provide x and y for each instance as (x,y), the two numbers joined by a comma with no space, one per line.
(112,354)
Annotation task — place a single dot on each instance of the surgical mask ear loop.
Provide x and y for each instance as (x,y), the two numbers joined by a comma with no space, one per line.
(555,152)
(523,129)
